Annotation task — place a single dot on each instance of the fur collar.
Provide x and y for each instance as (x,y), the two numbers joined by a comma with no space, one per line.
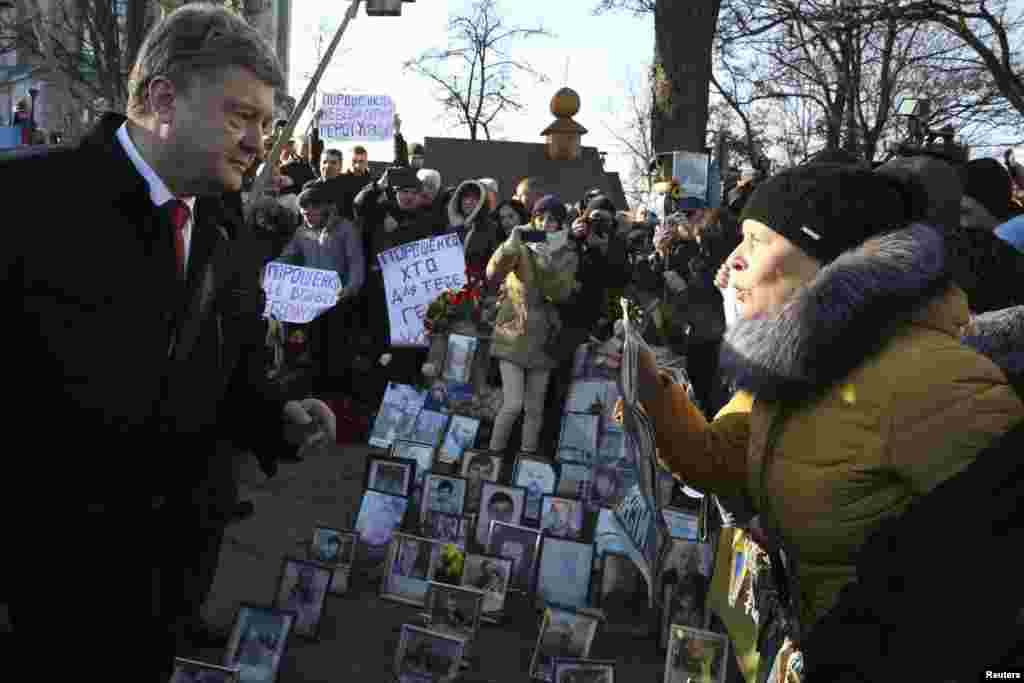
(455,217)
(844,315)
(999,335)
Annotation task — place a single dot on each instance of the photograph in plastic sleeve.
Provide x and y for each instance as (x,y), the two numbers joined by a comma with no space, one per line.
(335,548)
(682,525)
(574,480)
(397,415)
(539,478)
(257,643)
(303,589)
(478,467)
(421,453)
(578,439)
(459,437)
(519,544)
(564,572)
(191,671)
(607,486)
(447,527)
(458,362)
(426,656)
(443,493)
(565,633)
(410,559)
(429,427)
(562,517)
(388,475)
(498,503)
(591,396)
(607,538)
(490,574)
(380,514)
(456,610)
(575,670)
(696,656)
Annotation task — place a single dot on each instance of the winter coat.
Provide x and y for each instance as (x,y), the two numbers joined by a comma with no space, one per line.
(478,231)
(141,374)
(999,335)
(526,321)
(877,403)
(336,247)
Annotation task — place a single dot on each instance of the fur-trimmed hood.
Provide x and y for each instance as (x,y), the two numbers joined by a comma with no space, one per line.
(842,317)
(999,335)
(455,217)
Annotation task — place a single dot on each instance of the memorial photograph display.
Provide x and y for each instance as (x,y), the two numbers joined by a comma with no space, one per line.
(191,671)
(447,527)
(490,574)
(578,439)
(478,467)
(443,493)
(498,503)
(520,544)
(408,570)
(397,415)
(303,589)
(682,525)
(455,610)
(564,632)
(429,427)
(459,437)
(562,517)
(607,486)
(458,362)
(539,477)
(258,640)
(421,453)
(390,475)
(696,656)
(564,572)
(574,480)
(573,670)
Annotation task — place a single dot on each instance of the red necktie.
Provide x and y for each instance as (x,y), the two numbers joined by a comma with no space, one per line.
(180,214)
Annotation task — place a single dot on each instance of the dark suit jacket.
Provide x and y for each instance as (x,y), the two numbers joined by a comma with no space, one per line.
(134,375)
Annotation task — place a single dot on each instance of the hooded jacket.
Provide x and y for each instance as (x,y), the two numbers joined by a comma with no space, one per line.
(478,231)
(867,397)
(999,335)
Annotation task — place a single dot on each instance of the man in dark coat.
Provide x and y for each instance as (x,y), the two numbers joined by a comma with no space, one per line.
(138,309)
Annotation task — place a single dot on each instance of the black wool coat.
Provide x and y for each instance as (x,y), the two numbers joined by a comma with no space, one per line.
(133,374)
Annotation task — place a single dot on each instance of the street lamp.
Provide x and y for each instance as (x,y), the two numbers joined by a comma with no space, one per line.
(33,93)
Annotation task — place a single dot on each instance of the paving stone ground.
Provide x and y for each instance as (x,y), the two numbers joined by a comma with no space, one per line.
(360,630)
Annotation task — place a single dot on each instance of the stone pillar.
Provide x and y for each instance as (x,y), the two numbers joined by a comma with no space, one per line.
(563,136)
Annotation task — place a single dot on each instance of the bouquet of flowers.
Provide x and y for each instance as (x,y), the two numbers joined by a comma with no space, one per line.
(457,305)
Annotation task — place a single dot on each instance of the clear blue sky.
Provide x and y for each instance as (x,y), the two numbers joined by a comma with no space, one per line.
(602,51)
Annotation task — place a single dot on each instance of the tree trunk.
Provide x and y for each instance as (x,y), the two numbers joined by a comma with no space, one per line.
(683,36)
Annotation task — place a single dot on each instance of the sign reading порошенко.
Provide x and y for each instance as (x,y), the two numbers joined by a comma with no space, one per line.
(357,117)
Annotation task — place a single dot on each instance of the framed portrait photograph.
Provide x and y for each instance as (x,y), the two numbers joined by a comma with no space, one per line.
(390,475)
(498,503)
(562,517)
(459,437)
(578,440)
(447,528)
(682,525)
(607,486)
(456,610)
(303,589)
(458,362)
(443,493)
(397,415)
(696,656)
(564,572)
(520,544)
(490,574)
(335,548)
(478,467)
(572,670)
(564,633)
(539,477)
(574,480)
(257,643)
(429,427)
(427,656)
(191,671)
(380,514)
(437,398)
(408,569)
(421,453)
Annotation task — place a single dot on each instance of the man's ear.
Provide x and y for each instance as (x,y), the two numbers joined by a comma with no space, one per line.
(162,99)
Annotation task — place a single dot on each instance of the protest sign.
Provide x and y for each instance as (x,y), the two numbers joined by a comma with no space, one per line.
(414,275)
(692,171)
(296,294)
(357,117)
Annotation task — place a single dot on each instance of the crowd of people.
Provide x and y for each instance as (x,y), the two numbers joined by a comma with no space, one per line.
(853,334)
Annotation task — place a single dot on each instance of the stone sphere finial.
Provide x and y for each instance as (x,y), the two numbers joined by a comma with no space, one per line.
(565,103)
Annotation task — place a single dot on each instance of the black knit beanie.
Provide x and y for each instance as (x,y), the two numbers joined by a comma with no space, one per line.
(550,203)
(827,209)
(988,182)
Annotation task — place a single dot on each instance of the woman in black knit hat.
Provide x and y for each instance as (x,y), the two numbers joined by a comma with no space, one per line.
(855,397)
